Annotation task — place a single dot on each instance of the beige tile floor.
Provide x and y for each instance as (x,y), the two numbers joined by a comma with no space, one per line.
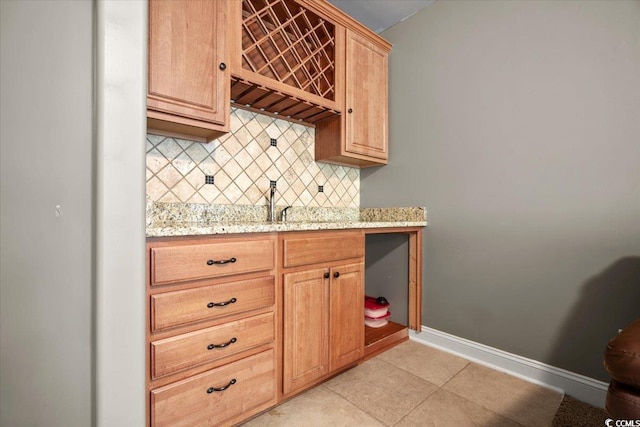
(416,385)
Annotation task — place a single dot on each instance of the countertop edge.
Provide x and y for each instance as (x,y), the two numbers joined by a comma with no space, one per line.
(231,228)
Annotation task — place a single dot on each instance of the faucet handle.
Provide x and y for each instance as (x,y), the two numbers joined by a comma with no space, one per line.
(283,214)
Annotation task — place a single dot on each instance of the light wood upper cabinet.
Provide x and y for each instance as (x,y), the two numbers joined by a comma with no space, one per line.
(188,83)
(366,100)
(359,136)
(303,60)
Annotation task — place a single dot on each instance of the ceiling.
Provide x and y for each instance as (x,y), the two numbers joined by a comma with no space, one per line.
(379,15)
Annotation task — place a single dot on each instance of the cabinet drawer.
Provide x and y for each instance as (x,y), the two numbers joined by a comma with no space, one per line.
(313,250)
(195,348)
(249,383)
(177,308)
(176,263)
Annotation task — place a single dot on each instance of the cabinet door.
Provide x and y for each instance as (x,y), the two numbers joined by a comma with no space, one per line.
(346,306)
(186,50)
(305,328)
(366,98)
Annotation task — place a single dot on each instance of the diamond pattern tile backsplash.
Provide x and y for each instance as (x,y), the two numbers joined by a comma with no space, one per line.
(241,164)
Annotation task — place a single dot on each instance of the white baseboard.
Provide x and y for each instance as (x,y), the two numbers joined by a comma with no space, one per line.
(578,386)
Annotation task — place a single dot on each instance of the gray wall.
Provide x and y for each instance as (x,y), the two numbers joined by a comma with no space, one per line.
(517,125)
(387,272)
(46,262)
(72,320)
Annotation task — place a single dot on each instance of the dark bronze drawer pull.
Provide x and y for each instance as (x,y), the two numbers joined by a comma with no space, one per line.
(221,304)
(212,389)
(326,275)
(231,341)
(222,261)
(336,274)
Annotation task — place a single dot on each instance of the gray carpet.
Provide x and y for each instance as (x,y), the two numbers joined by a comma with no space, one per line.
(574,413)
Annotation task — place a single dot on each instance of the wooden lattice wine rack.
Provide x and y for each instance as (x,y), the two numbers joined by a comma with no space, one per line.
(288,61)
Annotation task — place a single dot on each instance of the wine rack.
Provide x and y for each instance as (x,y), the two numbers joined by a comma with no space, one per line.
(293,51)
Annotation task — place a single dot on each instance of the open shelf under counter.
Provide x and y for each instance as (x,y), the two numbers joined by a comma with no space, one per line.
(377,340)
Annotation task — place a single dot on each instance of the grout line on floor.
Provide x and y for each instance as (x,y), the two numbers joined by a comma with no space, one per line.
(420,403)
(420,379)
(456,374)
(407,413)
(396,367)
(350,403)
(411,373)
(355,406)
(477,403)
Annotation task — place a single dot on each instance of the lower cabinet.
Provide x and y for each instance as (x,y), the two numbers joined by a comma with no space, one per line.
(218,396)
(212,340)
(237,323)
(323,329)
(323,308)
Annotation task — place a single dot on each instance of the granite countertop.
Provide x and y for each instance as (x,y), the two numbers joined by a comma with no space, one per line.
(184,219)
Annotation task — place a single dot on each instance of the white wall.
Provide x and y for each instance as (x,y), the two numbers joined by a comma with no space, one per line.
(121,46)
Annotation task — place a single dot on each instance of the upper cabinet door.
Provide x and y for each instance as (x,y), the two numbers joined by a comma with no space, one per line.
(366,98)
(187,65)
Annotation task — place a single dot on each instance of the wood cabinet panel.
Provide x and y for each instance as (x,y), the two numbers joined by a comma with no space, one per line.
(210,323)
(306,250)
(188,83)
(323,306)
(346,308)
(285,58)
(182,307)
(359,136)
(177,353)
(250,384)
(310,316)
(366,99)
(178,263)
(305,328)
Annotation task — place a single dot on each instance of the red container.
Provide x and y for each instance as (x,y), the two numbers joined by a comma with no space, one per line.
(373,308)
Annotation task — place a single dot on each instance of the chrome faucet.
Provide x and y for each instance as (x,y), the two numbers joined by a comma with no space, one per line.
(283,214)
(272,202)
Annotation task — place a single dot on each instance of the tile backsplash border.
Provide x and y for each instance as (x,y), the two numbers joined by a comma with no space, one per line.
(242,163)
